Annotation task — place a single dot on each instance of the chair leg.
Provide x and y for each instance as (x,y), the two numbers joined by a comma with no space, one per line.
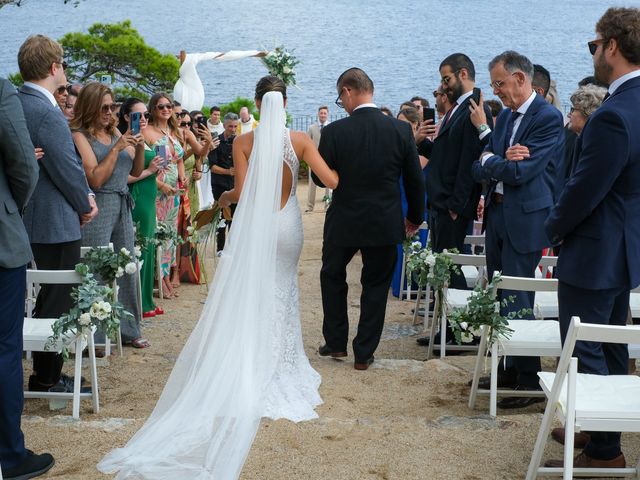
(434,322)
(493,393)
(119,340)
(541,440)
(403,270)
(159,272)
(417,307)
(443,328)
(94,374)
(478,367)
(77,377)
(570,419)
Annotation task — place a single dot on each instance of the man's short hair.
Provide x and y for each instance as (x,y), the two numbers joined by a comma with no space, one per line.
(541,78)
(495,106)
(458,61)
(356,79)
(176,103)
(230,116)
(423,101)
(623,24)
(591,80)
(36,55)
(323,107)
(513,62)
(215,108)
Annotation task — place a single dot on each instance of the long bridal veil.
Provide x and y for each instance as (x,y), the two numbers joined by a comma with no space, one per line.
(208,414)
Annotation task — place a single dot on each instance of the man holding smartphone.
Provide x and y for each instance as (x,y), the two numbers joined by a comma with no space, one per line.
(221,163)
(452,193)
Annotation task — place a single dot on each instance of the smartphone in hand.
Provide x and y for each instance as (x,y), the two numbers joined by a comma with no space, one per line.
(134,119)
(202,121)
(161,151)
(429,114)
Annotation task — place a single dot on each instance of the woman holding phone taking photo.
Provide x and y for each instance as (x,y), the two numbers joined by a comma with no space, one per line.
(108,158)
(144,190)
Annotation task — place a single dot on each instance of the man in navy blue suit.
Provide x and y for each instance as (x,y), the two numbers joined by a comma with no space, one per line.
(597,218)
(519,165)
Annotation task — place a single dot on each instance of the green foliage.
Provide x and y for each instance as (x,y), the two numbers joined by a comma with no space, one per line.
(237,104)
(109,265)
(120,51)
(16,79)
(484,310)
(427,267)
(95,307)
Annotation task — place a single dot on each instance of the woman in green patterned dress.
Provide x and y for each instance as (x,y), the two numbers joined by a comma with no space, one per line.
(144,190)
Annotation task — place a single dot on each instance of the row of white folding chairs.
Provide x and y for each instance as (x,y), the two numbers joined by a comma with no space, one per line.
(585,402)
(36,333)
(456,298)
(539,338)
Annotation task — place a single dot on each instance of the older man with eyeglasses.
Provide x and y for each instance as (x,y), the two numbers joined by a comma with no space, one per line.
(519,165)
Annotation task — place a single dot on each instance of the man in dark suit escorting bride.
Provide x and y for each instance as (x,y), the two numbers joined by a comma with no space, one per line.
(371,153)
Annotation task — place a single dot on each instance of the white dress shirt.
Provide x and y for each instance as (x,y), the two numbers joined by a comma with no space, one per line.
(366,105)
(619,81)
(516,124)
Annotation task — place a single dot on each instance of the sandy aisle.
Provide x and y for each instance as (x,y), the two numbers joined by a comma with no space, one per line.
(402,419)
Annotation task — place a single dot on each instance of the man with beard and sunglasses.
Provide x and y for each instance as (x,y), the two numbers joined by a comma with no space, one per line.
(597,217)
(452,193)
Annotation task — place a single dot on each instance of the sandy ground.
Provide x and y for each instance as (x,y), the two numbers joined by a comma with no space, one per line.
(404,418)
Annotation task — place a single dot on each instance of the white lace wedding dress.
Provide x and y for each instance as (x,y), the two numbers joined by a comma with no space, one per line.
(244,359)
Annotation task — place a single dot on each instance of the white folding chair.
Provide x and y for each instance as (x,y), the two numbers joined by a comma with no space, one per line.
(403,271)
(36,333)
(455,298)
(114,287)
(530,338)
(159,271)
(586,402)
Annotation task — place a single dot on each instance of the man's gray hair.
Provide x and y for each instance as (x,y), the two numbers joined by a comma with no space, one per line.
(230,116)
(513,62)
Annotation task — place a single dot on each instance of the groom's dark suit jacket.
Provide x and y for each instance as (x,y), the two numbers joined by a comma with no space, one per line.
(371,153)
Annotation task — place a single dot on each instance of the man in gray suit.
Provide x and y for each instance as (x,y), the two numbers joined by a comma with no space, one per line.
(18,177)
(62,200)
(315,130)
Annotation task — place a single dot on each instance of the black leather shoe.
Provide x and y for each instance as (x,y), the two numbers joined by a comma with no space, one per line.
(67,382)
(520,402)
(325,351)
(363,364)
(424,341)
(32,466)
(504,381)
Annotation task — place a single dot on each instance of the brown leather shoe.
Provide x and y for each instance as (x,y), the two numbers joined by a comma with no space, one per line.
(363,365)
(580,439)
(584,461)
(325,351)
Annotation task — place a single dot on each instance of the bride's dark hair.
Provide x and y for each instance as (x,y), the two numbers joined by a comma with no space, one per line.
(270,84)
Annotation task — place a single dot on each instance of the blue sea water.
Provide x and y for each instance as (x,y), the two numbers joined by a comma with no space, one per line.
(399,44)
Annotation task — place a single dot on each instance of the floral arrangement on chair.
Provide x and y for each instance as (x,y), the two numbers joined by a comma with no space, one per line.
(484,310)
(167,233)
(109,265)
(94,307)
(429,268)
(281,63)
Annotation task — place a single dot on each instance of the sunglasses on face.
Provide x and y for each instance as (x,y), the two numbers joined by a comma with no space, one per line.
(108,108)
(164,105)
(186,124)
(63,89)
(593,46)
(62,63)
(447,79)
(181,114)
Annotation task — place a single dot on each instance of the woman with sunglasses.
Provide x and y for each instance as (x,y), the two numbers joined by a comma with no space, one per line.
(60,94)
(144,190)
(108,158)
(164,130)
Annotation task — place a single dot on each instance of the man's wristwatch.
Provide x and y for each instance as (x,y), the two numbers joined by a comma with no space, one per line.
(483,128)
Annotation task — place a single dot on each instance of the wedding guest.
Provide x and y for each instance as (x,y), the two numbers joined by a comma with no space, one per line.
(69,105)
(495,106)
(541,80)
(420,104)
(443,105)
(247,122)
(60,94)
(599,261)
(315,131)
(519,164)
(18,179)
(221,164)
(386,111)
(164,131)
(62,201)
(109,157)
(215,125)
(553,97)
(144,190)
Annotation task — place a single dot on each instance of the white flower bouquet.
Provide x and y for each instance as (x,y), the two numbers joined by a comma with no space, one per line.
(281,63)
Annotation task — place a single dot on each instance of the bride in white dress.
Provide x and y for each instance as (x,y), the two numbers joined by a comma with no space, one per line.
(244,359)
